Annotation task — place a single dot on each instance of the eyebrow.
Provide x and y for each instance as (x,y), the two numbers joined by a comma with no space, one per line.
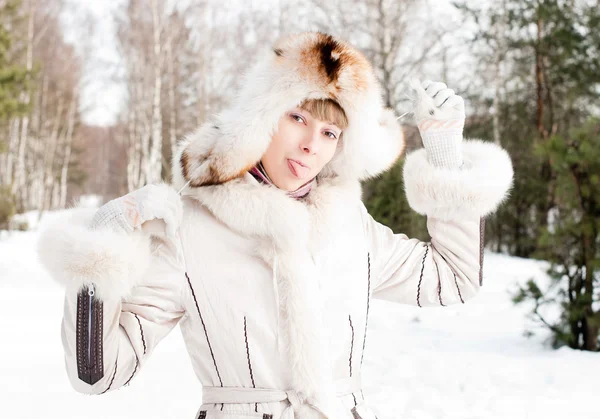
(328,123)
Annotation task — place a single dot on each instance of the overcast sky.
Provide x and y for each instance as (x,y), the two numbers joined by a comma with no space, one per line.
(102,95)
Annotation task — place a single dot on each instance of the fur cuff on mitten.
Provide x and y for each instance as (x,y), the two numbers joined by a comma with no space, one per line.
(473,191)
(76,256)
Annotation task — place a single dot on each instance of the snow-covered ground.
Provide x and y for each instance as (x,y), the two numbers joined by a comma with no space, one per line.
(464,362)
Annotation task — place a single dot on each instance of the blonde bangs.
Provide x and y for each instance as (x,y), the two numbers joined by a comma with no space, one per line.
(326,110)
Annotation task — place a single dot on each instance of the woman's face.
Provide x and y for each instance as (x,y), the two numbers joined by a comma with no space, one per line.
(300,148)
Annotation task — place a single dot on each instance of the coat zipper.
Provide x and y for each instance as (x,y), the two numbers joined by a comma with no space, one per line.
(89,336)
(91,292)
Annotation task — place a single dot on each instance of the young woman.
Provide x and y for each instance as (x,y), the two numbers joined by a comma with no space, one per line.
(269,259)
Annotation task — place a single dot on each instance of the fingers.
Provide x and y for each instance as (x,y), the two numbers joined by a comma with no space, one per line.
(161,201)
(438,91)
(455,102)
(436,101)
(442,96)
(172,213)
(168,222)
(433,88)
(176,205)
(171,229)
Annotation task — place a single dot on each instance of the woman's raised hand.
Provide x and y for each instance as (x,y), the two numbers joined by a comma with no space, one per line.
(440,117)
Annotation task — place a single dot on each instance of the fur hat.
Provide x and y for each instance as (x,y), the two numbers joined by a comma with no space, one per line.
(299,67)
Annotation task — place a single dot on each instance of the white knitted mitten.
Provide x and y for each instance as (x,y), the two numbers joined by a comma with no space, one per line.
(130,211)
(440,116)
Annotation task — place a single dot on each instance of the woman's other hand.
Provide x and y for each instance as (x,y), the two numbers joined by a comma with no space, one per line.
(440,116)
(130,212)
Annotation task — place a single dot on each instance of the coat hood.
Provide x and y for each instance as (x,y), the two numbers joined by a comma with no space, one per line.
(298,67)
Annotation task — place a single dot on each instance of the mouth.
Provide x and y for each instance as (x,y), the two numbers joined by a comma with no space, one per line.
(298,169)
(299,163)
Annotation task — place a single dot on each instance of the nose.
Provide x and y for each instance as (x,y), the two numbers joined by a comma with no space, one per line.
(310,143)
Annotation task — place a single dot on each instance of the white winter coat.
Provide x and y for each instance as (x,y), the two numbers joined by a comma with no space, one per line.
(271,294)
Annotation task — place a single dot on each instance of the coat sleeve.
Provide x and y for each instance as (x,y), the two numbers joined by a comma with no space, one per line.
(122,297)
(449,268)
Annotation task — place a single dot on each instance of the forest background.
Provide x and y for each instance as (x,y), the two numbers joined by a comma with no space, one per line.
(94,95)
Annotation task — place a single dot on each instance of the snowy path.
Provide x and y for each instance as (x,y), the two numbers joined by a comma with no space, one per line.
(464,362)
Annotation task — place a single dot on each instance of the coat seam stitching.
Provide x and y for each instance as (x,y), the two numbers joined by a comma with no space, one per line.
(141,332)
(249,363)
(437,268)
(351,344)
(453,273)
(481,244)
(421,276)
(137,362)
(205,331)
(113,377)
(368,303)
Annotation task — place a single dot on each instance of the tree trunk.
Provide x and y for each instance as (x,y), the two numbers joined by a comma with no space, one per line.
(67,156)
(19,184)
(12,150)
(49,157)
(539,81)
(499,33)
(172,106)
(546,173)
(384,54)
(155,161)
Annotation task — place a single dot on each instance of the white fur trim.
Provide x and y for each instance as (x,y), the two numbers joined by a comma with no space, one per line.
(76,256)
(473,191)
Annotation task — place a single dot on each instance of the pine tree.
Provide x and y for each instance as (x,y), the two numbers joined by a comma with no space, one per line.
(550,53)
(572,241)
(387,203)
(14,78)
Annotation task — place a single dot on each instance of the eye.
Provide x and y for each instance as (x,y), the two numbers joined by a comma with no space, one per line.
(296,117)
(331,135)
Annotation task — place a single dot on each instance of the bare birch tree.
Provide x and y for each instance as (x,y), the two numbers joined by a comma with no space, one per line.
(19,180)
(40,141)
(142,43)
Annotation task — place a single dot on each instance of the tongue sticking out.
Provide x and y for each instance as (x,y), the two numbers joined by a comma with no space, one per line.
(298,170)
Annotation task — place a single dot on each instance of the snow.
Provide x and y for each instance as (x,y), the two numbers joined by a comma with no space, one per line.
(470,361)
